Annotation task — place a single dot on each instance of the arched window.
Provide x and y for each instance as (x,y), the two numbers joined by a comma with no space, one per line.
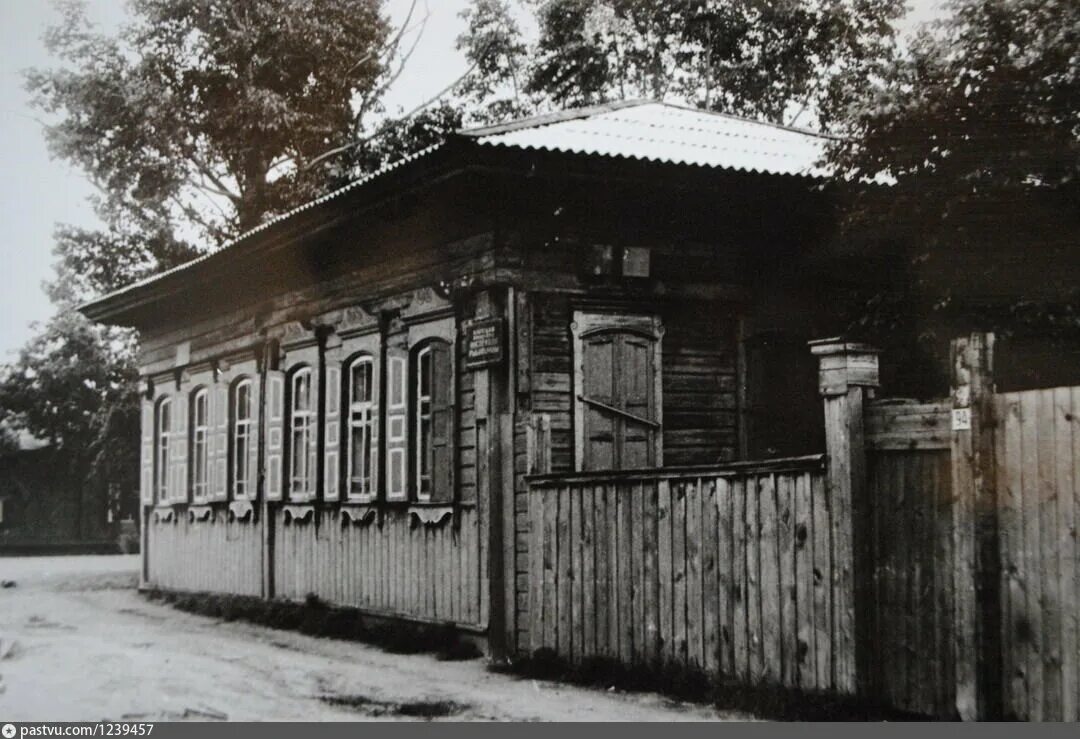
(361,427)
(162,432)
(302,440)
(241,439)
(432,410)
(200,431)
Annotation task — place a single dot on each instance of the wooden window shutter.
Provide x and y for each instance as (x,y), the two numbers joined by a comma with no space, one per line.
(178,444)
(275,433)
(218,442)
(146,469)
(442,423)
(332,453)
(397,468)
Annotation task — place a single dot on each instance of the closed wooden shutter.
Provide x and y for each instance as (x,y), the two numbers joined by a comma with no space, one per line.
(442,423)
(332,452)
(218,442)
(178,446)
(617,401)
(396,424)
(275,434)
(146,455)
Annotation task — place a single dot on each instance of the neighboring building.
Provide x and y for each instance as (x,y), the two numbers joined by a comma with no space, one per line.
(46,508)
(346,400)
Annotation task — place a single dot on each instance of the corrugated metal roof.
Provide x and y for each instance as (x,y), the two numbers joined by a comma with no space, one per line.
(265,225)
(645,130)
(662,132)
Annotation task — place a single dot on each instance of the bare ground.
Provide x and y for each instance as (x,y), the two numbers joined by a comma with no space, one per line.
(88,647)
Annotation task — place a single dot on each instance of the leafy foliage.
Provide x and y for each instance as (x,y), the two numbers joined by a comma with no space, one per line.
(203,105)
(767,60)
(72,387)
(977,130)
(199,119)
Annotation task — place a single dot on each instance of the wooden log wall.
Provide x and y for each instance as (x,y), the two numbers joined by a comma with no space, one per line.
(730,571)
(215,555)
(1037,450)
(698,371)
(911,593)
(390,562)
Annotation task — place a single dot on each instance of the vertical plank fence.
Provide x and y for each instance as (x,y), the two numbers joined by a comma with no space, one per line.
(727,569)
(1038,477)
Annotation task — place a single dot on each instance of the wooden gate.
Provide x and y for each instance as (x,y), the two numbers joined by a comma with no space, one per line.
(909,596)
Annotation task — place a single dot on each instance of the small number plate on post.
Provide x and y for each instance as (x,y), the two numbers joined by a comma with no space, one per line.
(961,419)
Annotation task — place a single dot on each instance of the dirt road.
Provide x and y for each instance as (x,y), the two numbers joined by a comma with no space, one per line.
(89,647)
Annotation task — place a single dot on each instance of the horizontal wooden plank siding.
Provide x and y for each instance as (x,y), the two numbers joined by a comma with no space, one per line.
(909,425)
(391,564)
(710,568)
(215,555)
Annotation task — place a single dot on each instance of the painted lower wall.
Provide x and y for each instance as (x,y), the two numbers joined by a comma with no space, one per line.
(388,561)
(427,565)
(217,554)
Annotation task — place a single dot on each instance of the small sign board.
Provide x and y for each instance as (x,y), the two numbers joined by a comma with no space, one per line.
(485,343)
(961,419)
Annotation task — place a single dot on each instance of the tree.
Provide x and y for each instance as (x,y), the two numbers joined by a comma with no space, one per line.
(977,132)
(197,121)
(770,60)
(72,387)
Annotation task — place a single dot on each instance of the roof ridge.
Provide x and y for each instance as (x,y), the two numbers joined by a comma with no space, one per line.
(548,119)
(745,119)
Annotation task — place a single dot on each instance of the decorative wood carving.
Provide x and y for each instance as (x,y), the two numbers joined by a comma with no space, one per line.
(358,515)
(431,515)
(298,513)
(200,513)
(241,510)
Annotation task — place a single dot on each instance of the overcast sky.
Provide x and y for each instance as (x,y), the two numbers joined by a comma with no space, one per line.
(37,192)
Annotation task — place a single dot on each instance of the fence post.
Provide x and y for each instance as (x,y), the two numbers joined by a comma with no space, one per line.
(847,374)
(977,564)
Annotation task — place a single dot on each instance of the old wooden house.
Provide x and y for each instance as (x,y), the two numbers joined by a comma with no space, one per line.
(347,400)
(549,382)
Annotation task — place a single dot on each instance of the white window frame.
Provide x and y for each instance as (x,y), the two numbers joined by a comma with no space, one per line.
(200,441)
(163,432)
(241,432)
(302,424)
(361,418)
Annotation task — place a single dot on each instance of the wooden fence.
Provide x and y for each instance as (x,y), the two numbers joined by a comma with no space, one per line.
(729,569)
(974,592)
(1038,491)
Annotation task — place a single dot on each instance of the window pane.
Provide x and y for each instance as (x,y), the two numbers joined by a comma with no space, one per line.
(358,459)
(425,372)
(361,382)
(243,401)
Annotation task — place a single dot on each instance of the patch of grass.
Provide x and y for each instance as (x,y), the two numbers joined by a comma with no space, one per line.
(315,617)
(693,685)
